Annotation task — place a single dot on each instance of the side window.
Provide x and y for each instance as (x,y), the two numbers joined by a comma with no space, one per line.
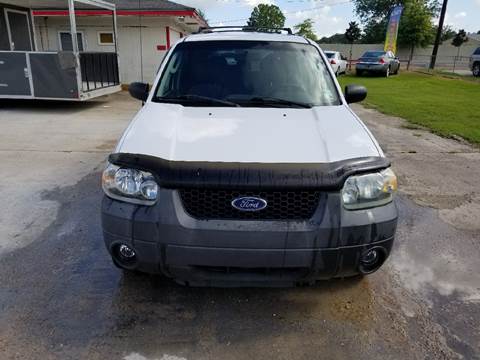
(105,38)
(66,41)
(171,75)
(477,52)
(163,60)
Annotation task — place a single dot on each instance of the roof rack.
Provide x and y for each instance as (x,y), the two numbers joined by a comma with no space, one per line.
(206,30)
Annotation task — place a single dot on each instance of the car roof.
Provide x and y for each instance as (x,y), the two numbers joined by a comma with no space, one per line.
(246,36)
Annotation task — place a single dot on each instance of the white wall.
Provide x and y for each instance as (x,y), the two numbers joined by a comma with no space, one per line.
(138,39)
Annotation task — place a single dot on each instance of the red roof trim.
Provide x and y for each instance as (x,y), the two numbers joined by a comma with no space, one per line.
(119,12)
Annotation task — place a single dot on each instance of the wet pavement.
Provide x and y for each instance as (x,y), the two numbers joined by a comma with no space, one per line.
(61,298)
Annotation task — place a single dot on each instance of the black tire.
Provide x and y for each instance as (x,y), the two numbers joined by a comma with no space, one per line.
(476,69)
(387,72)
(337,73)
(359,72)
(125,269)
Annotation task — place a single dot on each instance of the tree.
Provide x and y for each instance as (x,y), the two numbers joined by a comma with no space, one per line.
(334,39)
(305,29)
(352,34)
(374,15)
(267,17)
(460,38)
(374,32)
(416,27)
(447,33)
(370,10)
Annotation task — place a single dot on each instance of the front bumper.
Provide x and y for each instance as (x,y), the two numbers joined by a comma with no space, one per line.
(244,253)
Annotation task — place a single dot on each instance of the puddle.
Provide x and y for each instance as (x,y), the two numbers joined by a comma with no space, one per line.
(431,254)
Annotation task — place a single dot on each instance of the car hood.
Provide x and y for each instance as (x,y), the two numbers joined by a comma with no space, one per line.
(262,135)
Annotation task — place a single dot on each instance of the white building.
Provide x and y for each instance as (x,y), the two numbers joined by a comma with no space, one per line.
(146,30)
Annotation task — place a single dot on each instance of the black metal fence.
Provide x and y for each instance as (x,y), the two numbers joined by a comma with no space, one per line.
(99,70)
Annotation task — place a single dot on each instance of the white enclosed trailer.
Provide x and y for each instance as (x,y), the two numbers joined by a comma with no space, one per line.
(73,75)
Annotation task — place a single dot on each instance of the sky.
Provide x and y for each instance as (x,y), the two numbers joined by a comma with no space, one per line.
(330,16)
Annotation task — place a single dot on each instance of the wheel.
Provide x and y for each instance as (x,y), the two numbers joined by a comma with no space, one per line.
(126,270)
(476,69)
(359,72)
(337,73)
(387,72)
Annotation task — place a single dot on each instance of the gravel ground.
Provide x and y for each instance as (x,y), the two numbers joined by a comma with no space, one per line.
(60,297)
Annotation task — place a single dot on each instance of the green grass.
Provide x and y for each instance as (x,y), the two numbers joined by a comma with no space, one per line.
(447,106)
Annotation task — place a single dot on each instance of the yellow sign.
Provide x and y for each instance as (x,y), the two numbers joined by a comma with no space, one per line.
(392,30)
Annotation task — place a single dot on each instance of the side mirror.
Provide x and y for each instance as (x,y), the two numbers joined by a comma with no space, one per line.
(139,90)
(355,93)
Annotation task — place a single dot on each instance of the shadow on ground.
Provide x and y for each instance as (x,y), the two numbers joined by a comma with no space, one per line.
(49,106)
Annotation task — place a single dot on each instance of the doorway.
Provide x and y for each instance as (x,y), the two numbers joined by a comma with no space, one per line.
(18,28)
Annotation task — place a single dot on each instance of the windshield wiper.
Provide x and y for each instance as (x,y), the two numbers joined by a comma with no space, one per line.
(276,101)
(194,98)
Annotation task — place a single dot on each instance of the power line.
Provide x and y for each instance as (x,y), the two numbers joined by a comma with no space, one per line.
(289,12)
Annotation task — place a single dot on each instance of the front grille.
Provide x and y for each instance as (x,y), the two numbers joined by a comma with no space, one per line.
(282,205)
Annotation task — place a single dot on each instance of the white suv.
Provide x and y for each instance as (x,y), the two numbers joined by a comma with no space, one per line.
(246,166)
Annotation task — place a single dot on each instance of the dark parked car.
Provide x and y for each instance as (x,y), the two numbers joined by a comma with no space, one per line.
(383,62)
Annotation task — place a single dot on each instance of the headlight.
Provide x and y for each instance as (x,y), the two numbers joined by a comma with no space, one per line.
(129,185)
(369,190)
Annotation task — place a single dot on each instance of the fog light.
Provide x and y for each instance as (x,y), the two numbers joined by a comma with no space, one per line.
(126,252)
(370,257)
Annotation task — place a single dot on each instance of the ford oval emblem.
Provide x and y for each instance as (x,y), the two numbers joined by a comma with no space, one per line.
(249,203)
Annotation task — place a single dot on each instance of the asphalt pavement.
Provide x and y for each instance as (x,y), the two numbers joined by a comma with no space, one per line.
(61,298)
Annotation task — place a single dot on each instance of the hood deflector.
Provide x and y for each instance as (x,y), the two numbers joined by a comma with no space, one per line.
(193,174)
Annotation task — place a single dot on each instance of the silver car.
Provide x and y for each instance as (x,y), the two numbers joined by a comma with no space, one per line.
(382,62)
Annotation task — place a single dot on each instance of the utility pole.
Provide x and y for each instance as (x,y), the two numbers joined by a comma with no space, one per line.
(439,35)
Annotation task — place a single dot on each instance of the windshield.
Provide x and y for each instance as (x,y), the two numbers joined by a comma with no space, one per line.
(246,73)
(329,54)
(374,54)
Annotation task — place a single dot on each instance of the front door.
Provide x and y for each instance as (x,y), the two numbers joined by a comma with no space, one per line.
(18,28)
